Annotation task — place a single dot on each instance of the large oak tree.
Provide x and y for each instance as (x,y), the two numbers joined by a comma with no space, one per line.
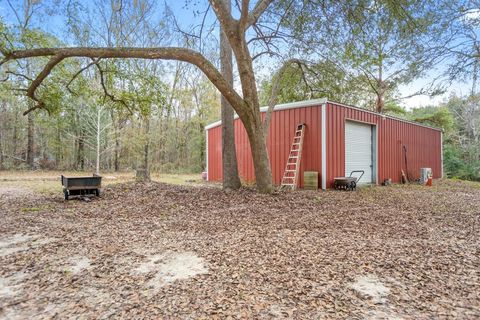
(246,105)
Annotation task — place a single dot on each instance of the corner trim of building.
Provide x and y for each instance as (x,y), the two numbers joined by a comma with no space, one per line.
(324,145)
(441,154)
(206,152)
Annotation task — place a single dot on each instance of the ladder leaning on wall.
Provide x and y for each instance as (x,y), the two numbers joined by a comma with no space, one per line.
(292,169)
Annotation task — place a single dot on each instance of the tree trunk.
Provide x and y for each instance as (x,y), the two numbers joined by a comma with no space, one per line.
(1,145)
(116,162)
(116,150)
(14,140)
(30,141)
(146,147)
(261,161)
(3,119)
(231,180)
(474,76)
(58,145)
(143,172)
(380,103)
(81,151)
(252,119)
(97,162)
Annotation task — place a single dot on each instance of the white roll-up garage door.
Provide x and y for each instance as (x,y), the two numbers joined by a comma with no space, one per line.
(358,149)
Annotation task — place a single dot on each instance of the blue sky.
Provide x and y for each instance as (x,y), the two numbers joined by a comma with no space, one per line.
(55,23)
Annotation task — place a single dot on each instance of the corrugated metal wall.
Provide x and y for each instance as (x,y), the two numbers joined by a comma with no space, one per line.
(214,153)
(423,144)
(280,137)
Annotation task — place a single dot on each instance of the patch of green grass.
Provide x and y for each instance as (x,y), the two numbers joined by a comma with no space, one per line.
(48,182)
(179,179)
(473,184)
(320,199)
(31,209)
(36,209)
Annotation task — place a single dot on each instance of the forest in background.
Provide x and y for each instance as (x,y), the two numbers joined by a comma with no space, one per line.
(122,114)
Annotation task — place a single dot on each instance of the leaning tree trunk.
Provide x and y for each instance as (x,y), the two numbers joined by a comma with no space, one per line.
(231,180)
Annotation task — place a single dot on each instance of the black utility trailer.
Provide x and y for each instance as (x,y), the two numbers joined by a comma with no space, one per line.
(347,183)
(79,186)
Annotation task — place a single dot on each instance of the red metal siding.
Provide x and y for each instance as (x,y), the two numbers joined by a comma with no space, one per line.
(214,154)
(423,144)
(280,137)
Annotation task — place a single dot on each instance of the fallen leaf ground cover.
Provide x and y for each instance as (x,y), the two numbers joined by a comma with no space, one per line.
(168,251)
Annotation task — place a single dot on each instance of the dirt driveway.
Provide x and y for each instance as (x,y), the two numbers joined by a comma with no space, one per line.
(158,250)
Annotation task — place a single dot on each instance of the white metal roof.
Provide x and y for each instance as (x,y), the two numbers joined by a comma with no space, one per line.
(283,106)
(319,102)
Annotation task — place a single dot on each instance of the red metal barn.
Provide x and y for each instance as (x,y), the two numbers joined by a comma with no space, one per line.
(338,139)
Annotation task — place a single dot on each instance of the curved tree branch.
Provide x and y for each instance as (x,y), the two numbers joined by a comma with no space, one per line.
(54,60)
(166,53)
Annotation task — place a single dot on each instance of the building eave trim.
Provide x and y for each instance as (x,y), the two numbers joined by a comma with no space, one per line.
(320,102)
(385,116)
(278,107)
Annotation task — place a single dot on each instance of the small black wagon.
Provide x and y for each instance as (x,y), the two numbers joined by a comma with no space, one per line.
(348,183)
(80,186)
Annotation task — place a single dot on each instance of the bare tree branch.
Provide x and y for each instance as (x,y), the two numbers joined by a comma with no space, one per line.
(259,9)
(94,61)
(19,75)
(105,91)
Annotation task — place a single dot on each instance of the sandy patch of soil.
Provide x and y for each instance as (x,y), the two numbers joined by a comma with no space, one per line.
(372,287)
(171,267)
(21,242)
(78,264)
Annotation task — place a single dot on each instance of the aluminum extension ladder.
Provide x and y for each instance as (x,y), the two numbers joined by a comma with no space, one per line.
(292,169)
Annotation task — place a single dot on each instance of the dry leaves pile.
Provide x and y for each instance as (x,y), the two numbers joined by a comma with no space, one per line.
(293,255)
